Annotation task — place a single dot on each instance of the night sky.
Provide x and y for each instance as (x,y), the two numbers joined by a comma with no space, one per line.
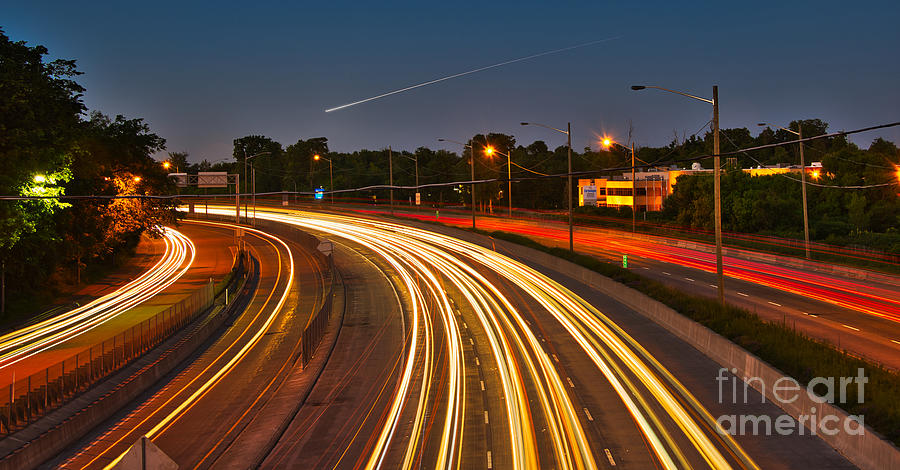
(202,75)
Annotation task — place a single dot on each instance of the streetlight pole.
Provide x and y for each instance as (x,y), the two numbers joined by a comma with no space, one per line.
(472,164)
(799,134)
(491,150)
(318,157)
(633,192)
(253,180)
(391,171)
(568,133)
(717,186)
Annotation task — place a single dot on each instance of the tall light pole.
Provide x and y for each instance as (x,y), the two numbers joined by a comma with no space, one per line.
(607,143)
(253,178)
(799,134)
(391,181)
(491,150)
(318,157)
(415,158)
(472,163)
(717,188)
(568,134)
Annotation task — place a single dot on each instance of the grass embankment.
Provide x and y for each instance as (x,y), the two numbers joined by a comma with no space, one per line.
(790,351)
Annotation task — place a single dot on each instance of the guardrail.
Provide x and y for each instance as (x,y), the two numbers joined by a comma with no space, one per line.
(25,400)
(315,328)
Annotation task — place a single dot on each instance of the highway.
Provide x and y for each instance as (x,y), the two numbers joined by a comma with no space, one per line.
(198,412)
(423,414)
(450,355)
(861,316)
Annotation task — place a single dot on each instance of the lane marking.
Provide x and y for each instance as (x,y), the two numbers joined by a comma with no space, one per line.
(465,325)
(612,462)
(775,304)
(689,279)
(743,294)
(485,417)
(851,327)
(472,341)
(895,341)
(477,362)
(490,462)
(573,385)
(644,267)
(714,286)
(588,413)
(555,358)
(482,385)
(667,274)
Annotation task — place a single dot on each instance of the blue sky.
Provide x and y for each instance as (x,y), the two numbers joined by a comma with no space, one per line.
(204,74)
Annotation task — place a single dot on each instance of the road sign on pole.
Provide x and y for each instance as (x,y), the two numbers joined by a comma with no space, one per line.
(320,193)
(624,261)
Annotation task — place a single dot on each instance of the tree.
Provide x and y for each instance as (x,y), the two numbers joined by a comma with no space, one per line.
(179,162)
(40,108)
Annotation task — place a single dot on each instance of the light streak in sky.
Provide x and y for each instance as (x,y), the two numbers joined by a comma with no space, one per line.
(33,339)
(456,75)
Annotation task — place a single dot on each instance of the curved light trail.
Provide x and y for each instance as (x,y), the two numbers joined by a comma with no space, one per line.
(33,339)
(231,355)
(539,413)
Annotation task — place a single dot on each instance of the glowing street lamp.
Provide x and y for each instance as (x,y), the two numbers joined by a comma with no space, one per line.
(318,157)
(137,179)
(166,164)
(489,151)
(607,143)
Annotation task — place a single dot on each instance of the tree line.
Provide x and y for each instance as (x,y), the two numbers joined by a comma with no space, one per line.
(51,146)
(764,204)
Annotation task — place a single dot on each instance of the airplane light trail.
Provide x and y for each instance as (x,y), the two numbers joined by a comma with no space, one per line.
(431,82)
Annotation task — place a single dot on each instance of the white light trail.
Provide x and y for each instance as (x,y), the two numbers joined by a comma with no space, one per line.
(456,75)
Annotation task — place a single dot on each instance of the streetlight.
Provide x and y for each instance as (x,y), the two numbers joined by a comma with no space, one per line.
(799,134)
(166,165)
(716,177)
(568,134)
(489,151)
(318,157)
(472,162)
(607,142)
(253,180)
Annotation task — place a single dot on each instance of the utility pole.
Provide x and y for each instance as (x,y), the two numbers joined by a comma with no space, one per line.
(3,287)
(569,143)
(803,186)
(472,186)
(391,171)
(633,191)
(509,180)
(246,181)
(717,183)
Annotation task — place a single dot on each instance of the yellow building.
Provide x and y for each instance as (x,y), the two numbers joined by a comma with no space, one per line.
(649,190)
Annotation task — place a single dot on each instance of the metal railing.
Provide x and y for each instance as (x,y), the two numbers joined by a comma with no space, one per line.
(28,398)
(315,329)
